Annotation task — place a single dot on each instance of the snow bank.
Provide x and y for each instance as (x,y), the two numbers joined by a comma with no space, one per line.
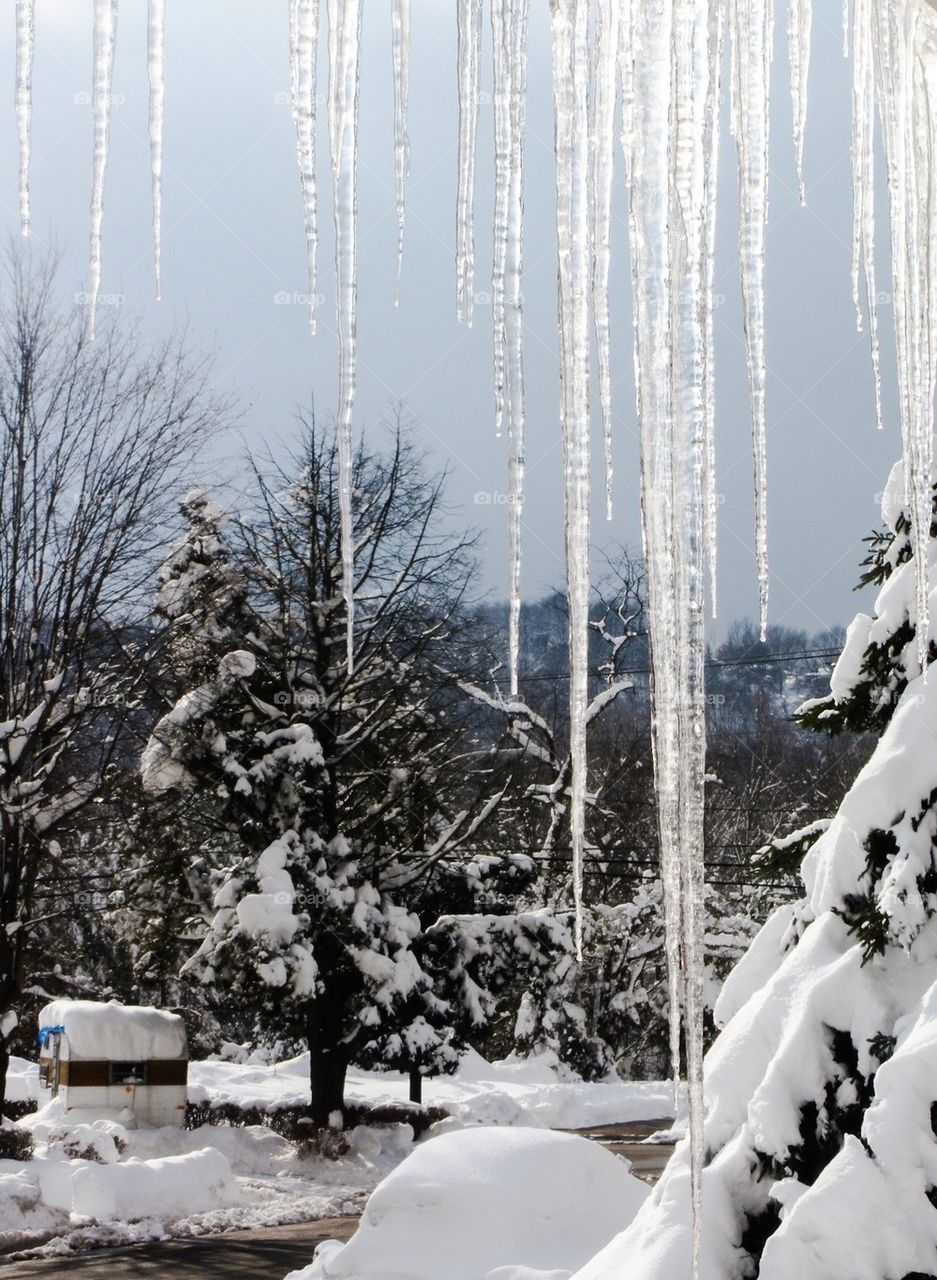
(487,1204)
(120,1032)
(524,1091)
(169,1187)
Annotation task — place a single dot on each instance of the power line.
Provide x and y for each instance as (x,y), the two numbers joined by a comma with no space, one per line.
(713,663)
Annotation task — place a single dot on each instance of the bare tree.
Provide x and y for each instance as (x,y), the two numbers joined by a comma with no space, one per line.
(94,441)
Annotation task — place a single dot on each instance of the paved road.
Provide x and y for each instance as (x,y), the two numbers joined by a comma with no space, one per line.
(628,1140)
(259,1255)
(255,1255)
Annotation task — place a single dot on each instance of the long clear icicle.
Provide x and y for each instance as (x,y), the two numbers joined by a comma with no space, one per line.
(863,187)
(25,39)
(570,44)
(675,58)
(469,17)
(710,496)
(304,50)
(799,23)
(501,95)
(400,21)
(156,46)
(105,31)
(509,24)
(752,25)
(907,103)
(344,70)
(605,97)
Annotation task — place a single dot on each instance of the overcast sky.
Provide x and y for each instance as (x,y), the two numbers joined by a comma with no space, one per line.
(234,248)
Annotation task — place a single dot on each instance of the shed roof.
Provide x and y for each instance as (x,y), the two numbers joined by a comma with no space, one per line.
(115,1031)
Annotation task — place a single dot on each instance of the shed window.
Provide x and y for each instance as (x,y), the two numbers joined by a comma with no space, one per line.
(128,1072)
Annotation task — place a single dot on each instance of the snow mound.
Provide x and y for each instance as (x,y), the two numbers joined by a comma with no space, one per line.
(488,1204)
(120,1032)
(167,1187)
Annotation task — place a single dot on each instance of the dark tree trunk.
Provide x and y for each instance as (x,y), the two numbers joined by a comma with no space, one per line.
(327,1069)
(328,1050)
(416,1086)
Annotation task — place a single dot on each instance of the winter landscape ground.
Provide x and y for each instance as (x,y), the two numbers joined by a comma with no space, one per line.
(568,931)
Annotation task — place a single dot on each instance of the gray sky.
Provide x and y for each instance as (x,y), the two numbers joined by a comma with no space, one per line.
(233,246)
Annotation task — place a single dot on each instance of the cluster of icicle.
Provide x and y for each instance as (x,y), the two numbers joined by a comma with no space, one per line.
(654,69)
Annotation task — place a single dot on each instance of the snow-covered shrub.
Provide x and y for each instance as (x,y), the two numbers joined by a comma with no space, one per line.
(15,1143)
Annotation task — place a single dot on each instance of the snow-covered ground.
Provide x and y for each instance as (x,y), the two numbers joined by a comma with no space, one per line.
(89,1172)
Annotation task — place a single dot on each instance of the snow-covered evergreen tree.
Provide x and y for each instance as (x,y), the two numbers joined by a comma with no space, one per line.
(347,917)
(820,1132)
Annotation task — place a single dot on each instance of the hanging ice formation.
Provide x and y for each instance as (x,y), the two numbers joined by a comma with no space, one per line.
(509,19)
(752,26)
(799,22)
(907,91)
(604,102)
(863,184)
(571,62)
(304,48)
(469,16)
(105,30)
(156,43)
(400,19)
(344,51)
(25,36)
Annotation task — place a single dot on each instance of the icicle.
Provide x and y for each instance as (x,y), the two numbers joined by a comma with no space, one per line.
(509,22)
(710,496)
(25,37)
(676,56)
(799,22)
(344,51)
(469,14)
(863,186)
(501,95)
(304,50)
(751,30)
(570,34)
(156,43)
(400,18)
(105,30)
(907,94)
(603,163)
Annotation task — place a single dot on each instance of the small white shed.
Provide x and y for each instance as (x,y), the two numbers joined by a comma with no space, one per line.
(114,1057)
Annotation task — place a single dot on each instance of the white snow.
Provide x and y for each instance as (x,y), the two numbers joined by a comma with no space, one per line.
(52,1199)
(514,1091)
(116,1032)
(487,1203)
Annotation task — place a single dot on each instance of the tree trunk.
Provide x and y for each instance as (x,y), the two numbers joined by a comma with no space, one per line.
(416,1086)
(328,1057)
(327,1070)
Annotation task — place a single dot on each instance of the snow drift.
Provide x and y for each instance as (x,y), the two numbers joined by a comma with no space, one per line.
(487,1204)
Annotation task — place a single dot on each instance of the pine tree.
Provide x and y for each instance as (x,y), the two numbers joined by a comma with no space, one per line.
(354,800)
(821,1158)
